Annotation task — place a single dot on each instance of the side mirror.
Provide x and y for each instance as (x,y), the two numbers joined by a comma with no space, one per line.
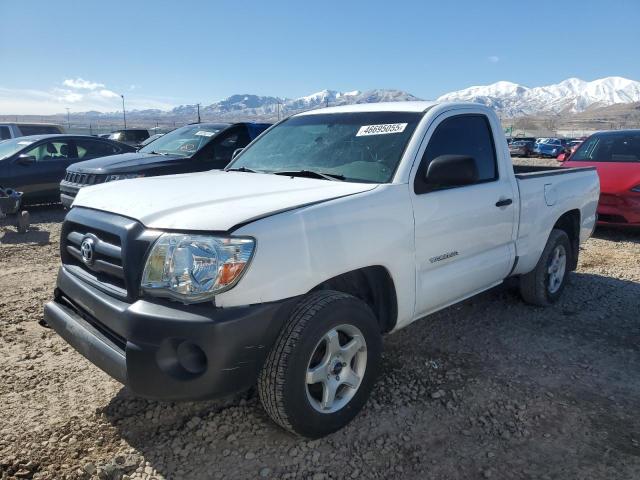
(452,171)
(562,157)
(26,159)
(236,152)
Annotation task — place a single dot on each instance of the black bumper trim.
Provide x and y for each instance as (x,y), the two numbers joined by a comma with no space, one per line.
(140,343)
(87,340)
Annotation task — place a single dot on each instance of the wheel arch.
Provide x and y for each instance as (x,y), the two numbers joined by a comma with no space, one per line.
(374,286)
(569,222)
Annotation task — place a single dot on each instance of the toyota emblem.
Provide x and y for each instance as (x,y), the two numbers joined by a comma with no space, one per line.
(86,249)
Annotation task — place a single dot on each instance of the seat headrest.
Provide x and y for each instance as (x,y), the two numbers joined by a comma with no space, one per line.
(51,148)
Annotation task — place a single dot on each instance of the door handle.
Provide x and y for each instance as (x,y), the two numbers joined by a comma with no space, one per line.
(504,202)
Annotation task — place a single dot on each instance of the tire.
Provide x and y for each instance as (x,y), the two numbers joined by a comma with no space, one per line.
(545,283)
(302,353)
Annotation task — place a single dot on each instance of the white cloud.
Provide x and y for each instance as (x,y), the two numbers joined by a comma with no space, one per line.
(108,94)
(72,97)
(56,99)
(493,59)
(82,84)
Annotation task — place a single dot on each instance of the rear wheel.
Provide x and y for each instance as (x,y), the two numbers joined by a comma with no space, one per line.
(323,366)
(545,283)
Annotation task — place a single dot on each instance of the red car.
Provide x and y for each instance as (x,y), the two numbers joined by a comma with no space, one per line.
(616,156)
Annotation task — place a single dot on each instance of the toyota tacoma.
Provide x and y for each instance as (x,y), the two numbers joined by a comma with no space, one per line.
(335,227)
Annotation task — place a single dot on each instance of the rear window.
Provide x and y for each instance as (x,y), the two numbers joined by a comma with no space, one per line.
(39,129)
(612,147)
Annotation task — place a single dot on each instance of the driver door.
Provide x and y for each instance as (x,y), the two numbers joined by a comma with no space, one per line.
(39,172)
(464,234)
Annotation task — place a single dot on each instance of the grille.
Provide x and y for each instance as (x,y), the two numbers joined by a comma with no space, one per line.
(119,250)
(84,178)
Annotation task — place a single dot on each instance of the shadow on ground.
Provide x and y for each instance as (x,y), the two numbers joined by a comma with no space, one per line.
(627,234)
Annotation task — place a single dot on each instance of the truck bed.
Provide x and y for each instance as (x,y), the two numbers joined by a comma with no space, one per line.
(524,172)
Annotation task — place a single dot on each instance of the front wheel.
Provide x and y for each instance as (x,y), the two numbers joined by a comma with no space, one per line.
(323,366)
(545,283)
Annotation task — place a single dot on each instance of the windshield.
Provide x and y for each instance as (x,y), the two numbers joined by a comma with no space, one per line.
(612,147)
(9,147)
(184,141)
(361,147)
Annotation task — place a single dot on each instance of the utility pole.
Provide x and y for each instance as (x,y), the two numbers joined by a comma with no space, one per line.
(198,105)
(68,119)
(124,115)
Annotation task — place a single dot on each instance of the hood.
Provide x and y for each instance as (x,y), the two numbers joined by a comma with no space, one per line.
(210,201)
(125,162)
(615,177)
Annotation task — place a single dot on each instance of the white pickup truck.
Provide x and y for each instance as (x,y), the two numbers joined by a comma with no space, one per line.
(331,229)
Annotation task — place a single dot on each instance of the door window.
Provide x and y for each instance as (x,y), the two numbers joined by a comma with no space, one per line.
(93,149)
(227,142)
(59,150)
(468,135)
(5,134)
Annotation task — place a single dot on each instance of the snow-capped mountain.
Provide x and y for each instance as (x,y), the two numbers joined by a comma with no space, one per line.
(571,95)
(509,99)
(255,105)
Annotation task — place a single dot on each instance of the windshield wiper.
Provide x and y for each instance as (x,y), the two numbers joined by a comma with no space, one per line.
(310,173)
(243,169)
(153,152)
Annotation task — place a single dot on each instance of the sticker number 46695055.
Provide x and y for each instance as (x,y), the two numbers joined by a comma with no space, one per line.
(382,129)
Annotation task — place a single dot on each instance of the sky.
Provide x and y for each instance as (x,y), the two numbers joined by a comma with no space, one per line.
(83,55)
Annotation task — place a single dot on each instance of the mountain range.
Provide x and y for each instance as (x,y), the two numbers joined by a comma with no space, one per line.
(569,96)
(509,99)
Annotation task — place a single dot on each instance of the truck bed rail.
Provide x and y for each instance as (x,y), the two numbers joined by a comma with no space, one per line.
(525,172)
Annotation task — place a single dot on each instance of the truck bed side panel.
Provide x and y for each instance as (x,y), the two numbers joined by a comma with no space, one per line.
(544,198)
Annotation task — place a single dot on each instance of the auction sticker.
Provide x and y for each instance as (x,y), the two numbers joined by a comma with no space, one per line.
(382,129)
(204,133)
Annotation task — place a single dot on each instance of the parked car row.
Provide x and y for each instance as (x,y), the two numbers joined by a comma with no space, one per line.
(50,168)
(136,137)
(542,147)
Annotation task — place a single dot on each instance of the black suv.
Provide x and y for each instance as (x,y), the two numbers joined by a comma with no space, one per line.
(192,148)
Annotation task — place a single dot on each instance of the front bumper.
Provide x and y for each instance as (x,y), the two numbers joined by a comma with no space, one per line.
(68,192)
(619,210)
(165,350)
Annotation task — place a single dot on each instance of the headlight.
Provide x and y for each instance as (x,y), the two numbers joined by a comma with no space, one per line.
(194,268)
(123,176)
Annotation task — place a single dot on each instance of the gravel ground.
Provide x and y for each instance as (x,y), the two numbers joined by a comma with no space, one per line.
(490,388)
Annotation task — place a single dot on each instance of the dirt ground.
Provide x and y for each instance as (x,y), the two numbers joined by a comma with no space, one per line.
(490,388)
